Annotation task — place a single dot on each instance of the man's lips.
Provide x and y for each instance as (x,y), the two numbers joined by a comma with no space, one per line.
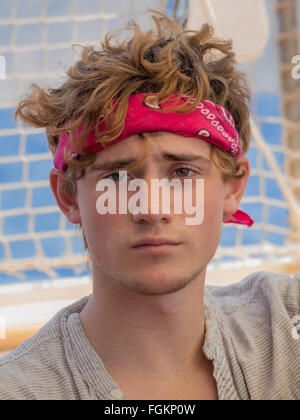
(156,246)
(155,242)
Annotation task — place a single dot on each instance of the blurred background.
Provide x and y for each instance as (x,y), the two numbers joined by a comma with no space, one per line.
(42,260)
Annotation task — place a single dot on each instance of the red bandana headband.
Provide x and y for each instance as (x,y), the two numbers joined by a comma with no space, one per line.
(209,122)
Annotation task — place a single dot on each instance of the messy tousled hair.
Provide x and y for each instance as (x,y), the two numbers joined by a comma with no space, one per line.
(167,59)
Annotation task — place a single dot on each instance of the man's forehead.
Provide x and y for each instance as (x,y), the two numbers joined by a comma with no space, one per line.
(164,156)
(160,145)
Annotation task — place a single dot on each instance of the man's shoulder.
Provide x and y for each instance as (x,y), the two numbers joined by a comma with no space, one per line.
(264,289)
(40,365)
(259,323)
(27,367)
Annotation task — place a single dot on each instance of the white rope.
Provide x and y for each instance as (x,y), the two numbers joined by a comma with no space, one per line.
(280,178)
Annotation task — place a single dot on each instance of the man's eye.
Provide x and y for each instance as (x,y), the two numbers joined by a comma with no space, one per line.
(116,176)
(184,171)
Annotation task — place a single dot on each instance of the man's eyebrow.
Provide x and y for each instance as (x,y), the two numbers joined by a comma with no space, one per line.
(188,157)
(111,165)
(165,156)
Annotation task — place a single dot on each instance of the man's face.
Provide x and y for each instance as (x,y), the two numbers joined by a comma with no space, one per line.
(111,237)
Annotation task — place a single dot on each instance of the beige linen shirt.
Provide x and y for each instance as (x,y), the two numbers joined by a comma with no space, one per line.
(252,336)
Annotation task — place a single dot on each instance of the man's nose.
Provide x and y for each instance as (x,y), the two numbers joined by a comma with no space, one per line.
(154,213)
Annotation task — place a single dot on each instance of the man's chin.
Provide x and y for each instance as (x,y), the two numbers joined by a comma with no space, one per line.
(158,288)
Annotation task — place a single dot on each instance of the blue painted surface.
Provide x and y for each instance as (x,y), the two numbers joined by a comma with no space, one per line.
(53,247)
(46,222)
(11,172)
(42,197)
(13,199)
(253,186)
(268,104)
(23,249)
(5,9)
(2,253)
(77,245)
(10,146)
(14,225)
(39,171)
(7,119)
(272,133)
(36,143)
(5,34)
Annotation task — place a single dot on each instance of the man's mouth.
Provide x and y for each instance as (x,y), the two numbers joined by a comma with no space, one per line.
(155,242)
(156,246)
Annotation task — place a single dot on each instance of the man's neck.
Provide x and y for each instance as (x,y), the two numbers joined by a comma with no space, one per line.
(147,336)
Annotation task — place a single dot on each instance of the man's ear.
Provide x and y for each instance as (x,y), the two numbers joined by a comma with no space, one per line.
(66,202)
(235,189)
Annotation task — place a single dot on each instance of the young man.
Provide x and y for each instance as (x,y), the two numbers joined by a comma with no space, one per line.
(158,106)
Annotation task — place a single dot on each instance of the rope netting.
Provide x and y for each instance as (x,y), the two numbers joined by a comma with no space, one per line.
(276,145)
(288,41)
